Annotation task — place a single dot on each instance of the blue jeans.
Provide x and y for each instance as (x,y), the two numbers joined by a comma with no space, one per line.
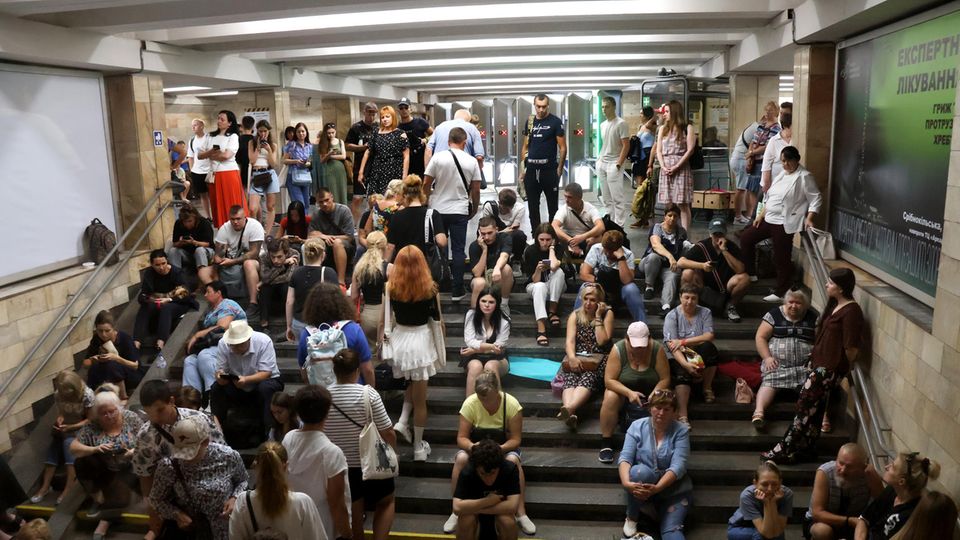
(60,447)
(632,297)
(747,533)
(198,369)
(455,226)
(298,193)
(671,510)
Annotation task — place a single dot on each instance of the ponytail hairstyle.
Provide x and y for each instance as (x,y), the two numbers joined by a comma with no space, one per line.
(413,190)
(272,488)
(313,251)
(370,266)
(917,470)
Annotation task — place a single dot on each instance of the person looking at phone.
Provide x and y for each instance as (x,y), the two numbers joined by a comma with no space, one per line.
(653,468)
(112,355)
(263,175)
(715,264)
(192,243)
(636,367)
(612,265)
(541,261)
(246,372)
(296,155)
(163,299)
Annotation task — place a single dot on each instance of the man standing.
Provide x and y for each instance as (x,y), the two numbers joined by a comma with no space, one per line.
(417,130)
(452,181)
(237,257)
(246,371)
(577,224)
(613,153)
(246,135)
(490,254)
(544,140)
(333,223)
(358,139)
(715,263)
(461,119)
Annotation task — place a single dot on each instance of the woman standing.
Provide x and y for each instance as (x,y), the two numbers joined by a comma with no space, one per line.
(653,468)
(221,149)
(589,330)
(486,330)
(388,155)
(273,505)
(369,279)
(303,279)
(199,484)
(329,168)
(676,142)
(199,168)
(296,156)
(839,335)
(789,206)
(413,299)
(784,341)
(264,167)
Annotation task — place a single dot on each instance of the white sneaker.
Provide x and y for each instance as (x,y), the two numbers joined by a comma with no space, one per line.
(404,431)
(526,525)
(772,298)
(754,279)
(421,453)
(505,308)
(629,528)
(450,525)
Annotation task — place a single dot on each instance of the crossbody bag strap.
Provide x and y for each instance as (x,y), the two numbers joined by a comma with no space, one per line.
(183,481)
(428,226)
(386,309)
(240,240)
(164,433)
(716,275)
(503,425)
(580,219)
(253,516)
(345,415)
(463,177)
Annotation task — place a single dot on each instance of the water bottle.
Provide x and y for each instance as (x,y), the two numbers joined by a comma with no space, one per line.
(160,361)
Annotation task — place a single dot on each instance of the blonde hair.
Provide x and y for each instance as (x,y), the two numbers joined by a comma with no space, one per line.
(370,266)
(35,529)
(272,488)
(595,289)
(313,251)
(413,189)
(486,383)
(917,470)
(395,188)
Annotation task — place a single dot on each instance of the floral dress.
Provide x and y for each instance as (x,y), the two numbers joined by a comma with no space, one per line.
(204,488)
(386,160)
(679,187)
(586,341)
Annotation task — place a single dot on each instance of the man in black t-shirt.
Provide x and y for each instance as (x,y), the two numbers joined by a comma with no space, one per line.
(488,489)
(490,254)
(193,243)
(246,135)
(358,138)
(544,140)
(417,130)
(715,263)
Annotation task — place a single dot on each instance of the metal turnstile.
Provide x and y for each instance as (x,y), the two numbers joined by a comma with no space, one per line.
(483,109)
(504,146)
(581,138)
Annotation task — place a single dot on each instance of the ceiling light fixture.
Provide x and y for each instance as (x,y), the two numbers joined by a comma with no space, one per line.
(174,89)
(214,94)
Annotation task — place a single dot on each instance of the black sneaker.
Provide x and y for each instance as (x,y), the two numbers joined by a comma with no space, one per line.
(253,313)
(648,293)
(94,511)
(732,313)
(606,455)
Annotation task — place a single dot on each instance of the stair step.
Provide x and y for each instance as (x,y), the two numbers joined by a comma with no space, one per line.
(581,465)
(523,325)
(561,500)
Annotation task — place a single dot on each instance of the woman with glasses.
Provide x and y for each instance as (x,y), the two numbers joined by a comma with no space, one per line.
(329,167)
(653,468)
(636,367)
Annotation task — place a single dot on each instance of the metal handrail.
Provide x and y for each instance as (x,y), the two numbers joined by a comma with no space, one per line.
(76,297)
(873,435)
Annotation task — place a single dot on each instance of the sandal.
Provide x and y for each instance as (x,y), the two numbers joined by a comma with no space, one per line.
(758,421)
(542,339)
(554,320)
(826,426)
(709,396)
(685,421)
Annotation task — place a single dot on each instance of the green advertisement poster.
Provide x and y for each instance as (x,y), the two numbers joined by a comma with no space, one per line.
(895,107)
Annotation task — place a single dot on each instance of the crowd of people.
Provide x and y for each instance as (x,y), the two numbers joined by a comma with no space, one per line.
(357,291)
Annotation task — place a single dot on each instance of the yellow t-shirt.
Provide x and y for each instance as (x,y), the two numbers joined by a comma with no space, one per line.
(474,412)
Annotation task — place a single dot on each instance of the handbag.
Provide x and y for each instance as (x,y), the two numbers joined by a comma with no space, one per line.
(696,158)
(824,242)
(199,528)
(300,176)
(557,384)
(211,339)
(261,179)
(497,435)
(378,460)
(438,331)
(743,393)
(386,348)
(589,362)
(692,356)
(439,269)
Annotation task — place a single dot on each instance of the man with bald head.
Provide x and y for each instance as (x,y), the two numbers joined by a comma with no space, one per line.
(441,136)
(841,491)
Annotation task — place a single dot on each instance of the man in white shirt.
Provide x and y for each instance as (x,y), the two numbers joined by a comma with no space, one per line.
(237,246)
(452,181)
(613,153)
(577,224)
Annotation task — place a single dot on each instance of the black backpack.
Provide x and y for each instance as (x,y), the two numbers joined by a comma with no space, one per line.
(611,225)
(98,240)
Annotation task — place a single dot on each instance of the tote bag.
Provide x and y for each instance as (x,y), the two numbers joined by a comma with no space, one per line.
(378,460)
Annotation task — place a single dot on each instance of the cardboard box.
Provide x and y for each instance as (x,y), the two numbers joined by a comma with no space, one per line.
(712,200)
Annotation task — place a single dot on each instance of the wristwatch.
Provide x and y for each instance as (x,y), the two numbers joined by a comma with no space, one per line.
(622,258)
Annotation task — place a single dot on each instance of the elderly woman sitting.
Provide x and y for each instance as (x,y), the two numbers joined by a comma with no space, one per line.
(784,341)
(653,468)
(103,450)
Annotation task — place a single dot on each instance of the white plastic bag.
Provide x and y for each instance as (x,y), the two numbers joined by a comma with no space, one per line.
(378,460)
(824,241)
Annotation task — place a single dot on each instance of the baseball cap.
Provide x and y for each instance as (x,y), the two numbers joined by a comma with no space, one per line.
(188,435)
(639,334)
(717,225)
(238,332)
(403,101)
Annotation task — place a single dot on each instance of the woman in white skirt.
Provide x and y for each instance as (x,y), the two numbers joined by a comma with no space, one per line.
(413,302)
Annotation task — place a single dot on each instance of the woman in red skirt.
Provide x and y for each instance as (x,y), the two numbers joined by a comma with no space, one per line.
(227,189)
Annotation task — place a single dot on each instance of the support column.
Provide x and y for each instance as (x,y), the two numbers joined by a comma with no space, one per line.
(814,67)
(278,102)
(136,108)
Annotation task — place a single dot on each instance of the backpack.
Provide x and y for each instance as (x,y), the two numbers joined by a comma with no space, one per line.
(98,240)
(323,343)
(611,225)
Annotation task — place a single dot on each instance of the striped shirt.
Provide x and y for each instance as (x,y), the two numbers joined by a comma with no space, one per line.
(344,433)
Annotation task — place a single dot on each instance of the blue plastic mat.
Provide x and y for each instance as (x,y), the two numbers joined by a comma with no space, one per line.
(540,369)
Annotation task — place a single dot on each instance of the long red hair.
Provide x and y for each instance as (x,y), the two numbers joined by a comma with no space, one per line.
(410,280)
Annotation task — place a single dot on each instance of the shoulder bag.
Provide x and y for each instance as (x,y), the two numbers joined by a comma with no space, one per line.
(439,269)
(199,528)
(588,362)
(438,331)
(386,348)
(378,460)
(466,185)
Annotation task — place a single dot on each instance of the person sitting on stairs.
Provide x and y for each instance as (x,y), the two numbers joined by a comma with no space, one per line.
(541,263)
(612,265)
(486,330)
(589,331)
(765,507)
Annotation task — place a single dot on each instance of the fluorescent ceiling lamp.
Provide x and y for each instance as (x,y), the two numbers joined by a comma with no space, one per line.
(214,94)
(185,89)
(524,71)
(718,40)
(475,13)
(786,77)
(534,86)
(455,82)
(658,59)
